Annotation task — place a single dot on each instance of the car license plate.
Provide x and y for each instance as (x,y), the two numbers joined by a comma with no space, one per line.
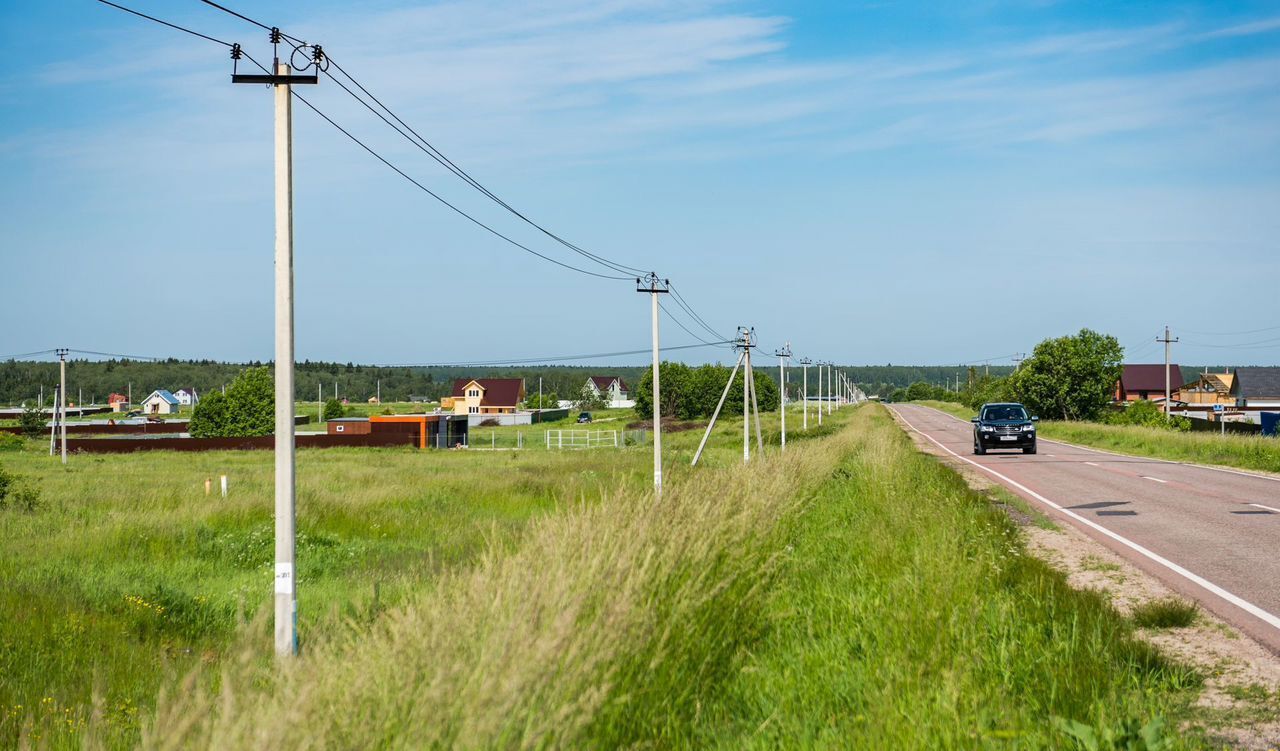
(1008,437)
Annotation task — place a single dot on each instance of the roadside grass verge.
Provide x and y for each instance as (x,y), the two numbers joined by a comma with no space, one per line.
(1231,450)
(907,615)
(854,593)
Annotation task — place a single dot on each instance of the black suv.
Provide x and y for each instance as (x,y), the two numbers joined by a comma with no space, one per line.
(1004,426)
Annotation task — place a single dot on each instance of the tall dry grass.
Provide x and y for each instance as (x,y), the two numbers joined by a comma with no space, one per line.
(608,623)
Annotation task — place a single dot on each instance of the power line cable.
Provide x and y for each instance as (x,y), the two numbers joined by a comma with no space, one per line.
(1229,333)
(435,195)
(114,354)
(27,354)
(689,309)
(422,144)
(682,326)
(165,23)
(539,360)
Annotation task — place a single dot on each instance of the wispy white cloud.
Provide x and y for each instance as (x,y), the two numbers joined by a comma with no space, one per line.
(1262,26)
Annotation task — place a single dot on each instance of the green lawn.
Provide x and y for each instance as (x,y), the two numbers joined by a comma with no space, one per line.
(848,593)
(129,574)
(1230,450)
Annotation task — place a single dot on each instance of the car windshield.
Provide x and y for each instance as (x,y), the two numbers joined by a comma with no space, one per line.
(1005,412)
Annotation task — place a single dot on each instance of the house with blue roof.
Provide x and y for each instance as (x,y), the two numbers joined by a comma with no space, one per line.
(160,402)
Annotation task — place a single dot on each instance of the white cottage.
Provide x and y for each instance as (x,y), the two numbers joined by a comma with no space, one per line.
(160,402)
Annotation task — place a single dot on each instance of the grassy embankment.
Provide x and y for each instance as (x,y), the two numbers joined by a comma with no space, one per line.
(1230,450)
(128,574)
(851,593)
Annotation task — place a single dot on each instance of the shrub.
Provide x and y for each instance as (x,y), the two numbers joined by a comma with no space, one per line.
(1170,612)
(247,409)
(1147,414)
(333,409)
(17,493)
(11,442)
(32,421)
(6,482)
(490,422)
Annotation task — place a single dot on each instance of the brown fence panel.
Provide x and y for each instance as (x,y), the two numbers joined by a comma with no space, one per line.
(264,442)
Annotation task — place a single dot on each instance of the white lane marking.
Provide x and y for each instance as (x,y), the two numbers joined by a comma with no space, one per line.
(1239,602)
(1154,479)
(1268,508)
(1132,456)
(1092,464)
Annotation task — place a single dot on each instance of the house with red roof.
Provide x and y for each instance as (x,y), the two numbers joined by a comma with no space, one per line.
(484,396)
(1138,382)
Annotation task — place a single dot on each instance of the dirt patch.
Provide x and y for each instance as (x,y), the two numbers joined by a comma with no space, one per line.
(1240,702)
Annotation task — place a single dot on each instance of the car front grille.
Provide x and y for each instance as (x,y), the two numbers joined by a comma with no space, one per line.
(1008,429)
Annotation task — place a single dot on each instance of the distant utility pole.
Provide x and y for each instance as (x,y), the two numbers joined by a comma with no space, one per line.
(804,367)
(820,365)
(1017,360)
(831,392)
(783,354)
(320,402)
(283,79)
(748,398)
(655,286)
(62,401)
(379,397)
(1167,341)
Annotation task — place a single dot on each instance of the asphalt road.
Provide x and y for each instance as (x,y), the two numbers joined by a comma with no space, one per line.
(1212,535)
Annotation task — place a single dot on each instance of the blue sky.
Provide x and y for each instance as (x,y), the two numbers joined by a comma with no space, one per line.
(931,182)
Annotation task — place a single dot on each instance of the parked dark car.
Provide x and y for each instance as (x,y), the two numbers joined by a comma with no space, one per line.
(584,417)
(1004,426)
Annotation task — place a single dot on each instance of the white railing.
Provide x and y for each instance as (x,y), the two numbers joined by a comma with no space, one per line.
(582,439)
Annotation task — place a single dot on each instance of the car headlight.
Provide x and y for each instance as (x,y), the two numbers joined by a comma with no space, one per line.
(1028,428)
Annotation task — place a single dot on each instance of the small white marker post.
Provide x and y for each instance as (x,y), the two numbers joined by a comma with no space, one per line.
(224,486)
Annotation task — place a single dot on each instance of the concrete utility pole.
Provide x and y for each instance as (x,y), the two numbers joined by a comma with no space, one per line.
(62,401)
(1167,341)
(320,403)
(286,595)
(820,366)
(655,287)
(804,369)
(720,405)
(783,354)
(830,387)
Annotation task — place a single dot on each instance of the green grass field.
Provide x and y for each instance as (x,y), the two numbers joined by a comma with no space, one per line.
(850,593)
(1230,450)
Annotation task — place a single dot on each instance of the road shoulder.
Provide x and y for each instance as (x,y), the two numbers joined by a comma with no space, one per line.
(1240,700)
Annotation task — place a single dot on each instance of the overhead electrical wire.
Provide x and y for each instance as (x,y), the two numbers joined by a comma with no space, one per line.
(539,360)
(435,195)
(1229,333)
(26,354)
(165,23)
(426,146)
(682,326)
(422,144)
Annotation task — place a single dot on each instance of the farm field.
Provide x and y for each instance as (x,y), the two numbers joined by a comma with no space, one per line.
(850,589)
(128,575)
(1241,451)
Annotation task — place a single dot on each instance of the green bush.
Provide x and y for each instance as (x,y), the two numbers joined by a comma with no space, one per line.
(247,409)
(32,421)
(11,442)
(1147,414)
(17,493)
(333,409)
(692,393)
